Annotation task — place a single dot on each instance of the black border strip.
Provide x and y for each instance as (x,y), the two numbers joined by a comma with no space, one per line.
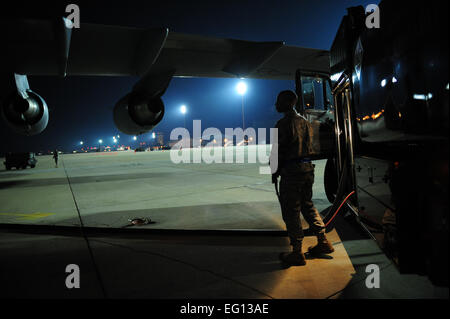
(101,231)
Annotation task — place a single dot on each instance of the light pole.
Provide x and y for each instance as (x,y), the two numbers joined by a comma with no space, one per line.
(183,111)
(100,141)
(134,144)
(241,89)
(152,144)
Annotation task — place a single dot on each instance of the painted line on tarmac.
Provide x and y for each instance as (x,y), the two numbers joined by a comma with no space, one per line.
(31,216)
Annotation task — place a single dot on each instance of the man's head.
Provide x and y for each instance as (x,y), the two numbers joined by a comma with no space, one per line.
(286,101)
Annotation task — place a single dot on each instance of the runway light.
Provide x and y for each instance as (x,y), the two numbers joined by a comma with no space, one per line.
(241,88)
(183,109)
(423,97)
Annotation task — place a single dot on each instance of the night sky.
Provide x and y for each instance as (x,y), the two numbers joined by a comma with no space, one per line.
(81,107)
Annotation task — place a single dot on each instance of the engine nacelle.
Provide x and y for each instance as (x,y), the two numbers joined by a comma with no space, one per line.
(135,114)
(27,116)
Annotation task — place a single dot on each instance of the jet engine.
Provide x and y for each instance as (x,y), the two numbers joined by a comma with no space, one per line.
(136,114)
(27,115)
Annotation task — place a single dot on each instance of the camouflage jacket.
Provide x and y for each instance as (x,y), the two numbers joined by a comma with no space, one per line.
(294,137)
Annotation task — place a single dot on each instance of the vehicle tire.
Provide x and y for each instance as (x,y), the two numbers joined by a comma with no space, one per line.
(331,180)
(33,166)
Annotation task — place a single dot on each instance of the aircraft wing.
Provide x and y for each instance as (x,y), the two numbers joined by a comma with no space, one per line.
(36,47)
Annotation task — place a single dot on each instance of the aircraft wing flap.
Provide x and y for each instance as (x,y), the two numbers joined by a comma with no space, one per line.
(29,47)
(114,51)
(283,65)
(199,56)
(34,48)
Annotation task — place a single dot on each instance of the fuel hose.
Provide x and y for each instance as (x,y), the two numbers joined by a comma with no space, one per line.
(339,201)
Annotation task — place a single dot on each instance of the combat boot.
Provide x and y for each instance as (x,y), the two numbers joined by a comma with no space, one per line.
(323,246)
(294,258)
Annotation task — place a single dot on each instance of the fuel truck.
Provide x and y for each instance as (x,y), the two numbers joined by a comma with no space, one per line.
(383,123)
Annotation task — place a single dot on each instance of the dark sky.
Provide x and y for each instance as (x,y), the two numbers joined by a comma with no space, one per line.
(81,107)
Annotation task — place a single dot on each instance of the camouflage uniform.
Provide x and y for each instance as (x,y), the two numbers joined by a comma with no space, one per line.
(297,177)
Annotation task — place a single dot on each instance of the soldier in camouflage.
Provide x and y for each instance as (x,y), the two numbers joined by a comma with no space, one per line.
(297,179)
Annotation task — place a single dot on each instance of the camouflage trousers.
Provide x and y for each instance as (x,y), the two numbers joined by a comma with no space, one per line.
(295,198)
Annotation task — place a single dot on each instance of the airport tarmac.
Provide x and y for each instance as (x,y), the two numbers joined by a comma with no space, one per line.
(108,189)
(112,187)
